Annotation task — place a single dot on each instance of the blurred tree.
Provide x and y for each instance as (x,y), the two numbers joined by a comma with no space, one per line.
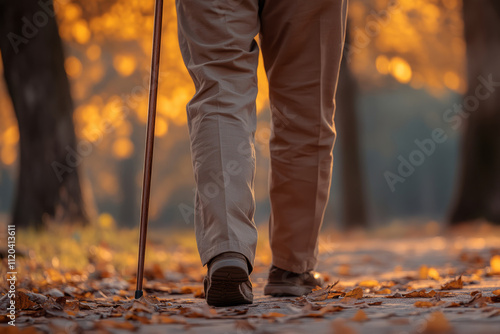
(34,72)
(353,195)
(478,195)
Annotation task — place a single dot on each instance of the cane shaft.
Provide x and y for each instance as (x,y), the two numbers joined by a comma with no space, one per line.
(150,136)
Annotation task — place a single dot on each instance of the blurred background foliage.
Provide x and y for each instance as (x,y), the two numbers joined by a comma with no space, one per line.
(407,58)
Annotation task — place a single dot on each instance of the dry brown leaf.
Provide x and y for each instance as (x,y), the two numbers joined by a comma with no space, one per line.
(420,294)
(355,293)
(140,305)
(478,300)
(23,301)
(496,292)
(360,316)
(495,299)
(453,285)
(437,323)
(375,303)
(424,304)
(319,294)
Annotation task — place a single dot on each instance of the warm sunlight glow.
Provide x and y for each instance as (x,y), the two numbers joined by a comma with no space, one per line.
(452,81)
(382,64)
(73,67)
(81,32)
(124,64)
(123,148)
(161,127)
(400,69)
(93,52)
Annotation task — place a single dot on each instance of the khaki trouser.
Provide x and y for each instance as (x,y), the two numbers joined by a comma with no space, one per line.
(302,42)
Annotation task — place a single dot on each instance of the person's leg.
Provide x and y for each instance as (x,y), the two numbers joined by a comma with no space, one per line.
(217,43)
(302,43)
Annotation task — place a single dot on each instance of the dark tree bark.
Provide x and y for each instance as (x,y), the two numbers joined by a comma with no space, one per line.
(478,193)
(353,195)
(32,55)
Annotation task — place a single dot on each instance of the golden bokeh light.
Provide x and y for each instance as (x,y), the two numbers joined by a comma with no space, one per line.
(161,127)
(81,32)
(8,155)
(123,148)
(382,64)
(73,67)
(124,64)
(400,69)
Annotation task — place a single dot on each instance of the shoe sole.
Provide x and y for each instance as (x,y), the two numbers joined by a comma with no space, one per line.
(224,286)
(286,290)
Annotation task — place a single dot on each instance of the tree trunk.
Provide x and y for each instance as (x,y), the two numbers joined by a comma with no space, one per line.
(32,54)
(353,196)
(478,193)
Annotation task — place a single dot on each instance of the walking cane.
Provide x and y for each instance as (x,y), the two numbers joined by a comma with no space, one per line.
(150,137)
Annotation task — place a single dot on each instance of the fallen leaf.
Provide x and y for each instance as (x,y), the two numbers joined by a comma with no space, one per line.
(424,304)
(420,294)
(360,316)
(327,292)
(375,304)
(23,302)
(140,305)
(453,285)
(496,292)
(478,301)
(355,293)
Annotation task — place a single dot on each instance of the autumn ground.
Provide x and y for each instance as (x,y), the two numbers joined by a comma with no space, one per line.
(392,280)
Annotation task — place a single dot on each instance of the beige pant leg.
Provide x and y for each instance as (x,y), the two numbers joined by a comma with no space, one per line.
(217,43)
(302,42)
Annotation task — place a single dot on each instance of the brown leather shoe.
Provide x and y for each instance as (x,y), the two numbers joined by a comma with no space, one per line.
(227,282)
(286,283)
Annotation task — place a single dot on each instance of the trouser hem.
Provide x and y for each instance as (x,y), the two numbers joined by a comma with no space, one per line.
(229,246)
